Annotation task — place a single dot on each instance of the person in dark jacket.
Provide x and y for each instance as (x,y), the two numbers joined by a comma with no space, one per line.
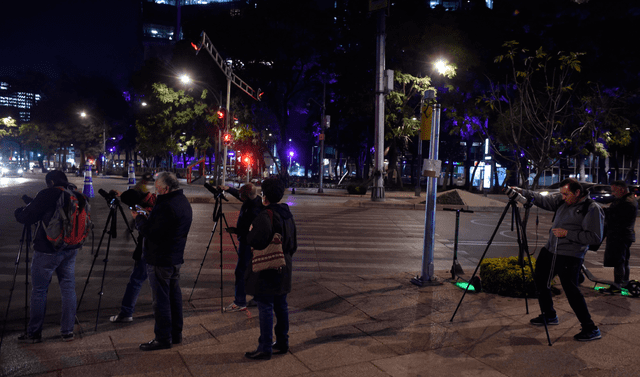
(139,274)
(251,207)
(46,260)
(620,220)
(270,287)
(164,238)
(574,229)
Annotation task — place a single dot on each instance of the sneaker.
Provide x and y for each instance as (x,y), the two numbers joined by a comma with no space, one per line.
(539,321)
(234,308)
(120,318)
(67,337)
(35,338)
(585,336)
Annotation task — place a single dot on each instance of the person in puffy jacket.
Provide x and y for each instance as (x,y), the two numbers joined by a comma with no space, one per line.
(270,287)
(578,222)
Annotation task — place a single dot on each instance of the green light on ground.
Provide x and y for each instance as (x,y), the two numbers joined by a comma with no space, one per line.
(624,291)
(464,285)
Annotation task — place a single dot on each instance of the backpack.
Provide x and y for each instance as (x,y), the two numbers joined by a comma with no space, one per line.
(70,224)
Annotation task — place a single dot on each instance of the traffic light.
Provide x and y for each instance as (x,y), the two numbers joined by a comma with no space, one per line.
(227,139)
(221,114)
(247,160)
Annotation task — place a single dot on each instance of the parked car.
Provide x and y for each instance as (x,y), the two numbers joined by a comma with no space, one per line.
(12,170)
(601,194)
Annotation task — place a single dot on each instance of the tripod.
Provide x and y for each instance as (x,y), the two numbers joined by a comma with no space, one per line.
(218,215)
(110,227)
(25,241)
(523,248)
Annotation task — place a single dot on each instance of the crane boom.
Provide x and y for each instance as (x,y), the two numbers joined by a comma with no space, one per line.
(226,68)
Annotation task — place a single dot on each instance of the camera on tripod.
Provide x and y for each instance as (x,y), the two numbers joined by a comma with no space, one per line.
(516,196)
(214,190)
(111,196)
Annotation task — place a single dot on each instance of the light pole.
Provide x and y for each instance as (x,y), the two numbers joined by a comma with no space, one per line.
(324,123)
(432,170)
(104,142)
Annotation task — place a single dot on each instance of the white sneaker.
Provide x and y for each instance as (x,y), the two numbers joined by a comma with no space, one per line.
(119,319)
(234,308)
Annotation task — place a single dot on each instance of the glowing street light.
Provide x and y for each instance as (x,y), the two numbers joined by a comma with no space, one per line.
(185,79)
(444,68)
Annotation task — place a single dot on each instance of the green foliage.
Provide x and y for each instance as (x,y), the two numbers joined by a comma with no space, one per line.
(503,276)
(180,121)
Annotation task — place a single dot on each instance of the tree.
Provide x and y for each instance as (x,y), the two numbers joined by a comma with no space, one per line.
(532,104)
(400,118)
(179,121)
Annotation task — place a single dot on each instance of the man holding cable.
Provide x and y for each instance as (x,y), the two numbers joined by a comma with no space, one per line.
(578,222)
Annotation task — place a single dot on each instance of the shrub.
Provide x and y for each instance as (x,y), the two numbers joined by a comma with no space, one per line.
(503,276)
(357,189)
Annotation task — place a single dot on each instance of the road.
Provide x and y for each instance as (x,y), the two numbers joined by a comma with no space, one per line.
(333,239)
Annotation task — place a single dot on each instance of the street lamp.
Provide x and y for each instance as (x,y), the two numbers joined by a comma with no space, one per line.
(104,143)
(324,123)
(291,153)
(432,169)
(185,79)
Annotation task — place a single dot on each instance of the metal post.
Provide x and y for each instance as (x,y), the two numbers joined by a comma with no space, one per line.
(427,277)
(227,122)
(104,147)
(322,128)
(377,194)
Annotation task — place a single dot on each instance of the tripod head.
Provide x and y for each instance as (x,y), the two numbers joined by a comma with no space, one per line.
(217,193)
(111,197)
(516,197)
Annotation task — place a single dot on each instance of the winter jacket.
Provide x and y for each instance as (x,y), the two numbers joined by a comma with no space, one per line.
(248,212)
(41,209)
(272,282)
(620,218)
(584,228)
(165,231)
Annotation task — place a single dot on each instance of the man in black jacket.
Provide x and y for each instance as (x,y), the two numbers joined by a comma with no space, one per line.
(620,219)
(47,260)
(165,236)
(251,207)
(270,287)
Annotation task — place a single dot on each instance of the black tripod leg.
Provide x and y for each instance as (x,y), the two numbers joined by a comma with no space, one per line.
(15,275)
(104,271)
(126,222)
(213,232)
(105,231)
(483,254)
(524,248)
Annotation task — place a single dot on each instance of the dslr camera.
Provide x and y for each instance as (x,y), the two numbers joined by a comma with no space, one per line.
(516,196)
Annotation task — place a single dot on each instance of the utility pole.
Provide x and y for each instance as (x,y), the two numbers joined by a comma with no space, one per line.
(323,124)
(377,194)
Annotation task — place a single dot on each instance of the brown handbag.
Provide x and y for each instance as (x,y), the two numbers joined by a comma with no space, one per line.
(270,258)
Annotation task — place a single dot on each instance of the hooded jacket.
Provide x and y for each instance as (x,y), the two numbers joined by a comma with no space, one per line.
(583,229)
(272,282)
(248,211)
(165,231)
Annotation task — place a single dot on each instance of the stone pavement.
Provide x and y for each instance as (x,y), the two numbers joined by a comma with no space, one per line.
(369,325)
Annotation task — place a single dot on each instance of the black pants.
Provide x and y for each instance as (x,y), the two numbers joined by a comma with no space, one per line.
(617,255)
(568,269)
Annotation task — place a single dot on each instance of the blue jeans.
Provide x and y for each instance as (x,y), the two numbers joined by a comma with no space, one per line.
(568,269)
(137,278)
(43,265)
(267,305)
(167,301)
(244,257)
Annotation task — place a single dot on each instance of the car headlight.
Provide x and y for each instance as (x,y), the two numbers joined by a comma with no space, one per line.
(20,171)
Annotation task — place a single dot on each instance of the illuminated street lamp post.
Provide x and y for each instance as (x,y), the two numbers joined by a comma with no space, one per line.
(432,169)
(104,143)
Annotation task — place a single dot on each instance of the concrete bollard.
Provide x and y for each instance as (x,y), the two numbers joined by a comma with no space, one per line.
(87,190)
(132,175)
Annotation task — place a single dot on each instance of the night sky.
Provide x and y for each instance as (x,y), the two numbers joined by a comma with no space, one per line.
(85,36)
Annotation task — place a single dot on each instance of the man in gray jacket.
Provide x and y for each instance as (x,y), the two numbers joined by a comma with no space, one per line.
(578,222)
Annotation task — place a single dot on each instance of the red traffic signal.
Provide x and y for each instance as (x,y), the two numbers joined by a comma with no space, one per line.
(221,114)
(227,139)
(247,160)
